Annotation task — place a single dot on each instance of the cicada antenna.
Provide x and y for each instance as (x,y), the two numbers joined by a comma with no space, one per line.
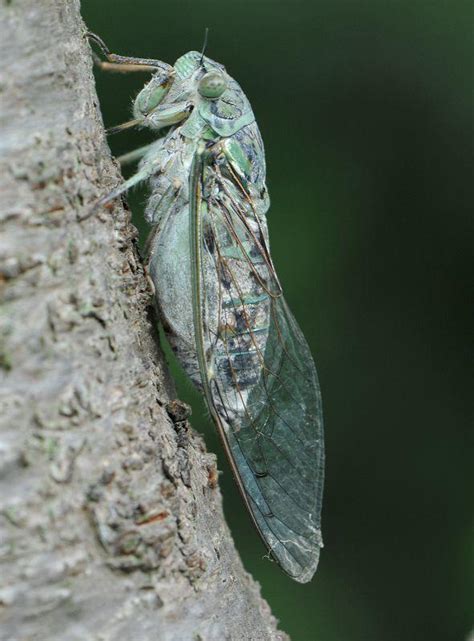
(206,33)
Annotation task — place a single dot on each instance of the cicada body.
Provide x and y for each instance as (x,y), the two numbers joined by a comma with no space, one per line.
(221,302)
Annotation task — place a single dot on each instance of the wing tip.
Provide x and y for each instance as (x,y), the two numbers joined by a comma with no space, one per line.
(308,571)
(296,570)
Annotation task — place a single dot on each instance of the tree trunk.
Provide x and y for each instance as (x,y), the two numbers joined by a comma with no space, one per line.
(111,526)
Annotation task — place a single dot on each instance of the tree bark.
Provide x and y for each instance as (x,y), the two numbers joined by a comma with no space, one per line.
(111,524)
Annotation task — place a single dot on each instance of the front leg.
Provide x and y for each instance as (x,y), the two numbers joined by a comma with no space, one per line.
(125,63)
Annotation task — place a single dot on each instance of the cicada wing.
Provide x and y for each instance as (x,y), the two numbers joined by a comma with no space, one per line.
(264,389)
(278,448)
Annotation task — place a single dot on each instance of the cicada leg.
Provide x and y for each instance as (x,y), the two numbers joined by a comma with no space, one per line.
(124,64)
(137,178)
(136,122)
(135,154)
(120,67)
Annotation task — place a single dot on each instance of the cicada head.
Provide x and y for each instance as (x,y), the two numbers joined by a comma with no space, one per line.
(196,93)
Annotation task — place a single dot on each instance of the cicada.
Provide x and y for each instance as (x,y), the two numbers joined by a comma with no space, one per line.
(219,297)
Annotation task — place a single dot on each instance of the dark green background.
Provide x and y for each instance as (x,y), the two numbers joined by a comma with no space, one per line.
(365,110)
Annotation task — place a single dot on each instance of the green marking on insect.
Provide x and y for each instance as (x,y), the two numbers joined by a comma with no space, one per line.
(219,296)
(231,332)
(247,299)
(242,253)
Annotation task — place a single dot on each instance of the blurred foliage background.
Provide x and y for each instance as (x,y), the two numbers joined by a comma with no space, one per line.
(366,112)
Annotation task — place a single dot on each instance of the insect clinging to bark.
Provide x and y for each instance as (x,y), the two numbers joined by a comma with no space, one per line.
(219,297)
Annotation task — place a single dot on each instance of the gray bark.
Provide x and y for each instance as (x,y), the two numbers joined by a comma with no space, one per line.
(111,524)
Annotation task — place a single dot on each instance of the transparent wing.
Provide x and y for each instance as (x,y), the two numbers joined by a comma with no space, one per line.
(264,389)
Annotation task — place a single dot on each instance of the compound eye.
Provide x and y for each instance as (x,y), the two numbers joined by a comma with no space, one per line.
(212,85)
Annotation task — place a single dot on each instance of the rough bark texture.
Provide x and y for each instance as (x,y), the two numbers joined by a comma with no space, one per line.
(111,524)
